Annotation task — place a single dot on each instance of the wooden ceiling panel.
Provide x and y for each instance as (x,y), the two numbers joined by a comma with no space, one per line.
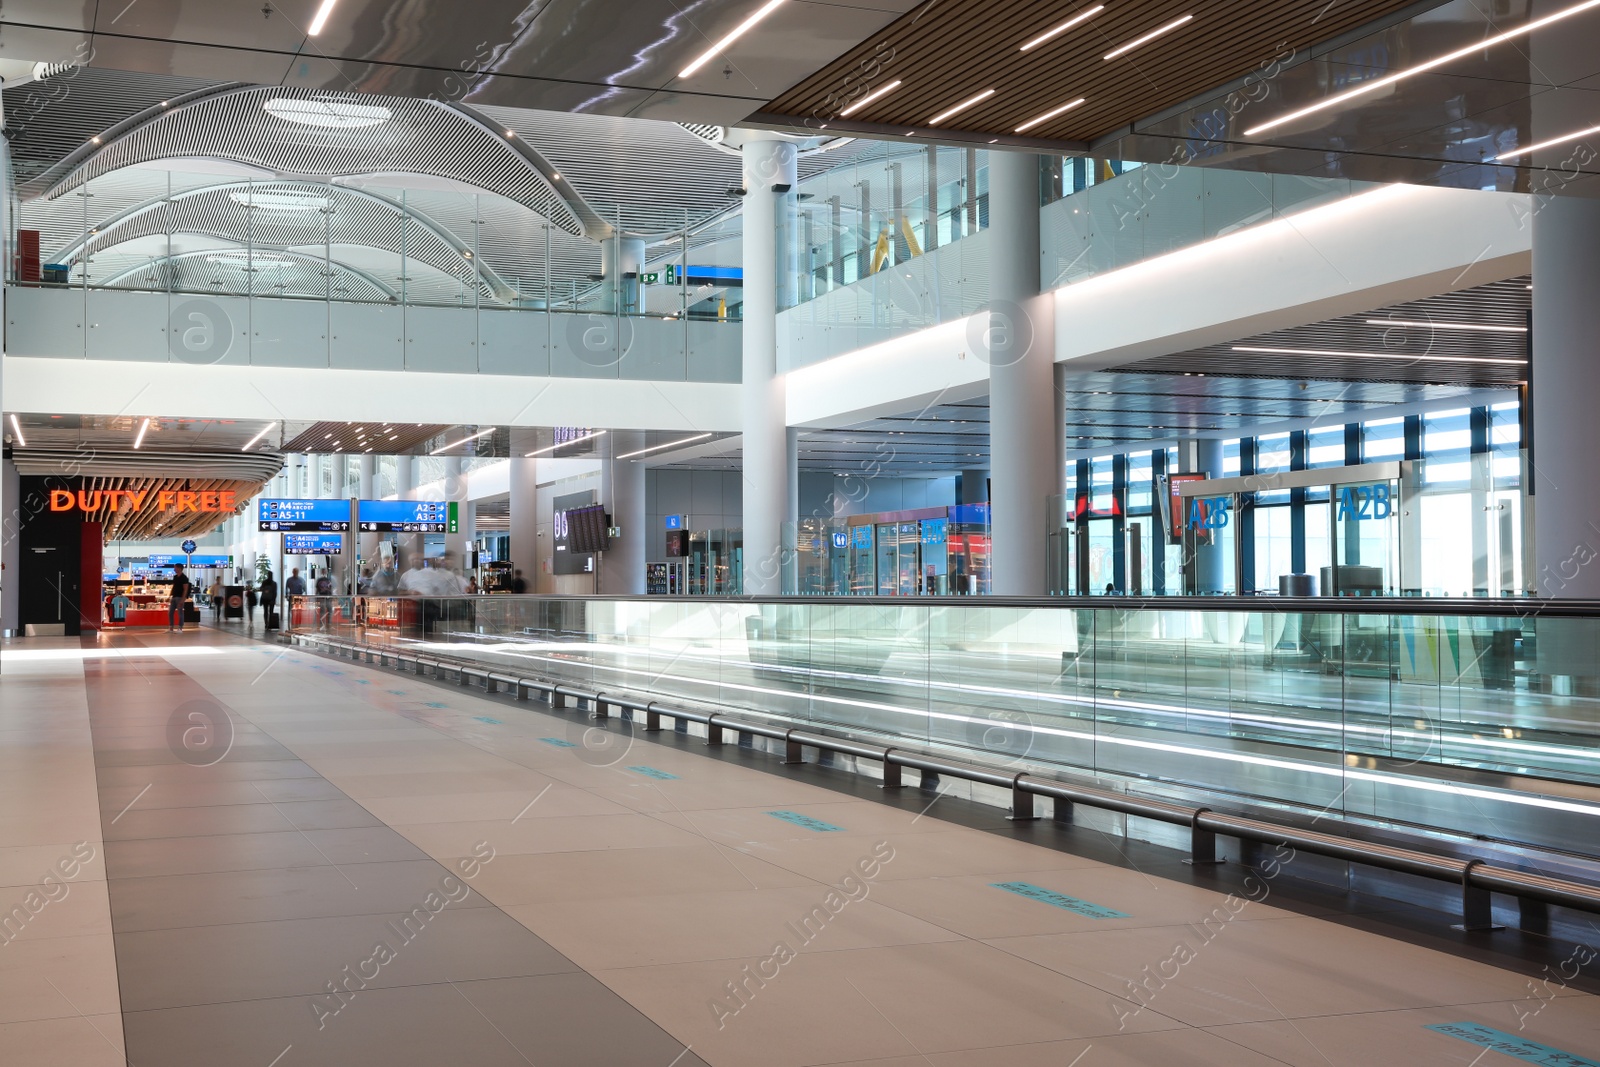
(946,53)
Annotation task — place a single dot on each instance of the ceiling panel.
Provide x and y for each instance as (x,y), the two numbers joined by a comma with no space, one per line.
(946,53)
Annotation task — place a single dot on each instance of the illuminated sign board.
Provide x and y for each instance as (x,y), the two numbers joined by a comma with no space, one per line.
(312,544)
(407,516)
(140,500)
(1175,515)
(304,516)
(191,561)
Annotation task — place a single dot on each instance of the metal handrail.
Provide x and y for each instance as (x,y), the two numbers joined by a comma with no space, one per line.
(1476,878)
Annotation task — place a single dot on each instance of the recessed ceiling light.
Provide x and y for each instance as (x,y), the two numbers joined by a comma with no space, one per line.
(971,100)
(669,444)
(1122,50)
(1438,61)
(737,32)
(1483,328)
(881,91)
(264,431)
(562,444)
(1048,115)
(464,440)
(332,114)
(1064,27)
(1376,355)
(1513,154)
(321,18)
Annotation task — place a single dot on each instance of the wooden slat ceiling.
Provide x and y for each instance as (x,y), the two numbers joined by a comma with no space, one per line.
(947,52)
(387,439)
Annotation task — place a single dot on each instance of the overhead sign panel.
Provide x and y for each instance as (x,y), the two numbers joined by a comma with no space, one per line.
(304,516)
(405,516)
(313,544)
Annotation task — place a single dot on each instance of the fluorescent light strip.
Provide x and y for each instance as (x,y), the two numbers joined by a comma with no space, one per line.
(322,17)
(870,97)
(1448,57)
(1064,27)
(738,31)
(1514,153)
(139,440)
(562,444)
(1048,115)
(669,444)
(464,440)
(1152,35)
(980,98)
(17,426)
(268,428)
(1448,326)
(1377,355)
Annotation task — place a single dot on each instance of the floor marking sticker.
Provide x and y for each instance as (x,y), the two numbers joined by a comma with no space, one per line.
(485,718)
(1060,900)
(556,741)
(435,704)
(1512,1045)
(805,820)
(651,772)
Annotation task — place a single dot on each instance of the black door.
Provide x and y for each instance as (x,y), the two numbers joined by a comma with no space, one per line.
(48,586)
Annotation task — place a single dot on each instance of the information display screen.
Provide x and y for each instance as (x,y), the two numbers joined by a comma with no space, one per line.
(191,561)
(312,544)
(587,529)
(304,516)
(403,516)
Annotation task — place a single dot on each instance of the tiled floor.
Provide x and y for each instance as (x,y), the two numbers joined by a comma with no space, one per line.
(279,859)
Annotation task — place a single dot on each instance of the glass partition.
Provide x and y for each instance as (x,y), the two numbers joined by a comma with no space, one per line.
(1474,721)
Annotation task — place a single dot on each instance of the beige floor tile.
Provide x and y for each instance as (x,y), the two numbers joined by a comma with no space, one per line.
(1255,971)
(505,779)
(554,802)
(84,911)
(575,833)
(81,1042)
(57,977)
(1164,1048)
(1570,1024)
(975,907)
(832,1007)
(26,865)
(617,874)
(720,925)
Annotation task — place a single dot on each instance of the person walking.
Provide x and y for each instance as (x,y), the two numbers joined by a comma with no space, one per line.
(294,586)
(181,588)
(269,601)
(216,599)
(249,603)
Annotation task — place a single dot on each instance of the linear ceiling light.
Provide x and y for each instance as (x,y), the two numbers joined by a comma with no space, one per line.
(268,428)
(669,444)
(334,114)
(1482,328)
(139,440)
(562,444)
(1048,115)
(17,426)
(1448,57)
(870,97)
(321,18)
(1064,27)
(1514,153)
(464,440)
(738,31)
(1376,355)
(1123,50)
(980,98)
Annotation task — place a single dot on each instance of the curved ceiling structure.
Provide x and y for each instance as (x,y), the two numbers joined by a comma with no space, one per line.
(283,271)
(293,216)
(321,136)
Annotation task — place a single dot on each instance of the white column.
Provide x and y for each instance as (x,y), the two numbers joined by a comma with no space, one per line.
(1566,380)
(622,493)
(763,417)
(1020,347)
(366,544)
(1211,560)
(524,539)
(619,257)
